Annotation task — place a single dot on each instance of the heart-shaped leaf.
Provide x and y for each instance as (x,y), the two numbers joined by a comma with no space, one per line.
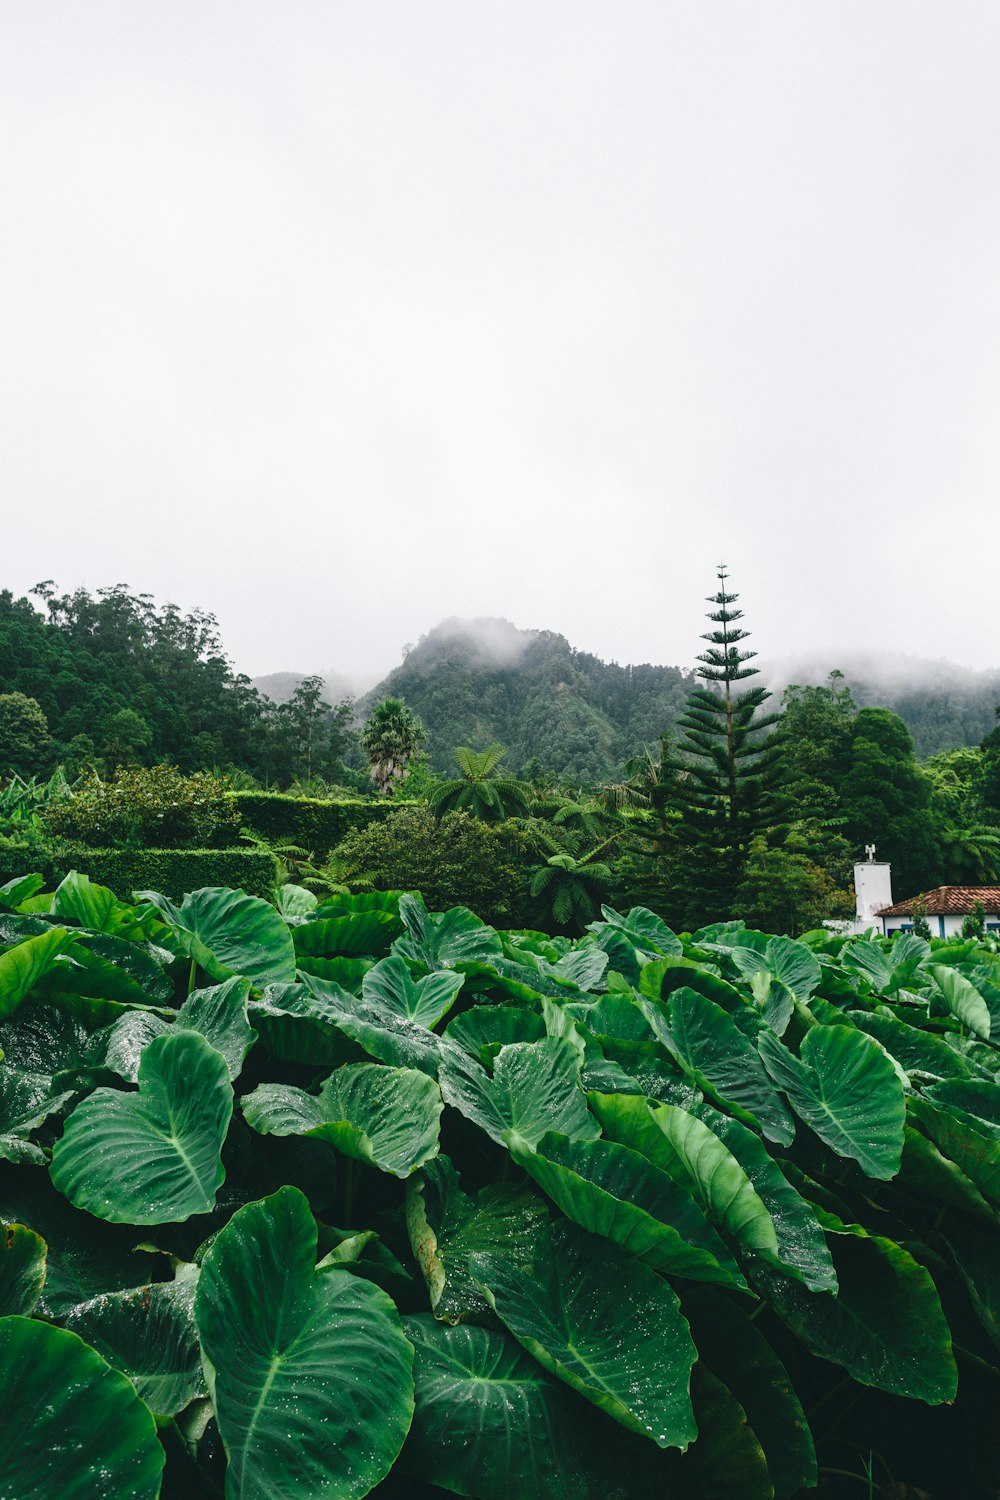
(308,1369)
(385,1116)
(442,941)
(690,1152)
(424,1001)
(446,1227)
(535,1087)
(608,1189)
(847,1089)
(23,965)
(605,1324)
(885,1326)
(228,932)
(721,1060)
(152,1157)
(26,1101)
(491,1423)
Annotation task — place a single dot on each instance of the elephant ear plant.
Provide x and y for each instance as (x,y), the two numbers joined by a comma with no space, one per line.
(348,1198)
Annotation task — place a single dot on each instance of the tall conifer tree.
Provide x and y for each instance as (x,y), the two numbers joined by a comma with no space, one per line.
(727,769)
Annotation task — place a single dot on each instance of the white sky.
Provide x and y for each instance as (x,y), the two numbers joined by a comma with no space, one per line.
(335,317)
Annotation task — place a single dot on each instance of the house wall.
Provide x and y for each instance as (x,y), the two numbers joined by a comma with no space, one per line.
(945,927)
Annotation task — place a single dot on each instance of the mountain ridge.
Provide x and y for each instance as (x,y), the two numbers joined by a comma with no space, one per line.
(566,711)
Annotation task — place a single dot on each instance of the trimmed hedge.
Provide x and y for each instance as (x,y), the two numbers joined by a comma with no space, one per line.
(309,822)
(173,872)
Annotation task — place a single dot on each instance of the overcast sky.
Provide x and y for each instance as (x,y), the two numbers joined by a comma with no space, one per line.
(336,317)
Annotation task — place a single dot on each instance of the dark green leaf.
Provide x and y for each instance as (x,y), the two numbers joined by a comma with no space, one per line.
(308,1369)
(81,1431)
(152,1157)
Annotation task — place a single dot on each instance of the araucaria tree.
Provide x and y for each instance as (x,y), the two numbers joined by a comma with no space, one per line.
(727,769)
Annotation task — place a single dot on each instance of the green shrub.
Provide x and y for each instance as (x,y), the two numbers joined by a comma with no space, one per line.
(307,821)
(457,862)
(170,871)
(154,807)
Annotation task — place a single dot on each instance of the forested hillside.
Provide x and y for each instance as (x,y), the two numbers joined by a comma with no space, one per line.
(558,710)
(111,677)
(565,712)
(945,707)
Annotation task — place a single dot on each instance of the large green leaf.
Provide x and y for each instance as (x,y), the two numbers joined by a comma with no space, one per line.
(80,899)
(347,936)
(84,1256)
(727,1462)
(887,969)
(885,1326)
(119,1047)
(970,1098)
(151,1157)
(919,1053)
(490,1423)
(388,1117)
(21,888)
(728,1341)
(294,902)
(22,966)
(219,1014)
(308,1369)
(83,969)
(442,941)
(847,1089)
(26,1101)
(44,1038)
(535,1087)
(962,998)
(605,1324)
(384,1034)
(613,1016)
(148,1333)
(446,1227)
(721,1060)
(484,1029)
(81,1432)
(613,1191)
(642,929)
(974,1252)
(802,1249)
(660,978)
(424,1001)
(690,1152)
(22,1269)
(925,1168)
(228,932)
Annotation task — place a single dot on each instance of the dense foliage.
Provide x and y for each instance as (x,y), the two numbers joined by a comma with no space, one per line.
(479,683)
(111,679)
(345,1197)
(114,692)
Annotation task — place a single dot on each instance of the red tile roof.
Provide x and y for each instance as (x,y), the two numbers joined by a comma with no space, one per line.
(948,901)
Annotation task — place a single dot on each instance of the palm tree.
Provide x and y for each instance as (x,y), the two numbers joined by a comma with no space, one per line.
(479,791)
(392,738)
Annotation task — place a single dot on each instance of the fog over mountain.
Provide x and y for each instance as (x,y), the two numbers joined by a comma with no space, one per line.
(477,680)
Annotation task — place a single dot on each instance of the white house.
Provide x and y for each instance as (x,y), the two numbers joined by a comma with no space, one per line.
(944,909)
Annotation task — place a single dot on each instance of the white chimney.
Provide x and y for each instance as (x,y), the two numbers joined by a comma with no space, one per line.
(873,888)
